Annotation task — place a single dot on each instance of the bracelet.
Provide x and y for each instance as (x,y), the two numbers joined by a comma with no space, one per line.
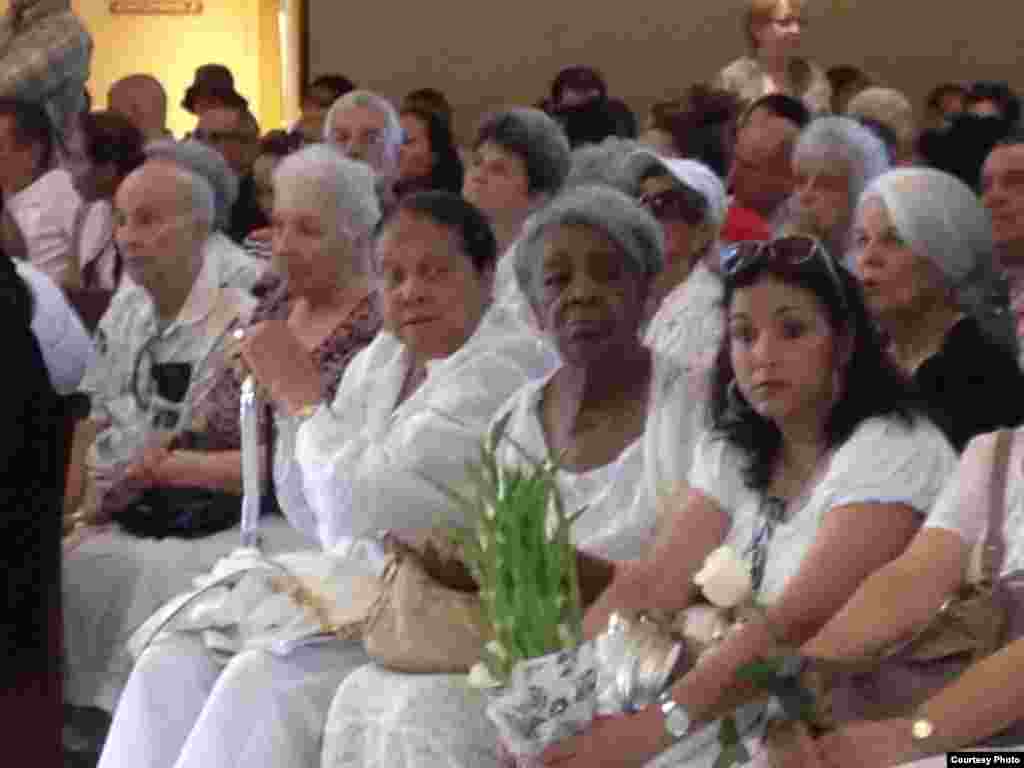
(307,410)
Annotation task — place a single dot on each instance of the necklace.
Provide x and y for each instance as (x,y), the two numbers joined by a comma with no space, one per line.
(775,510)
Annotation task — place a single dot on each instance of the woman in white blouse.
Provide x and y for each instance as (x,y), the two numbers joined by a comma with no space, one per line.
(815,470)
(902,597)
(409,414)
(586,262)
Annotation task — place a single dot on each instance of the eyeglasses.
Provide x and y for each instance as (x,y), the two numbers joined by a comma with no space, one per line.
(791,251)
(676,203)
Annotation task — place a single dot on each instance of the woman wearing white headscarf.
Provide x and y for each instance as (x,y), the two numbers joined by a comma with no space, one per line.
(923,252)
(684,322)
(610,381)
(834,160)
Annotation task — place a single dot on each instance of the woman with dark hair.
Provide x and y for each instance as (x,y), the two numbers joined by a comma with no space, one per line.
(30,483)
(705,130)
(101,154)
(427,158)
(815,470)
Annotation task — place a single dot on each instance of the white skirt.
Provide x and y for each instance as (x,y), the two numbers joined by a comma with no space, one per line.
(113,582)
(182,708)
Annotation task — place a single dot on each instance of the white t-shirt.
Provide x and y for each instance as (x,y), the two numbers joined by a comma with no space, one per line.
(65,344)
(883,462)
(964,504)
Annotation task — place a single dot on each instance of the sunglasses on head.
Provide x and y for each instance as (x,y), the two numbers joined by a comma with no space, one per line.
(791,251)
(674,204)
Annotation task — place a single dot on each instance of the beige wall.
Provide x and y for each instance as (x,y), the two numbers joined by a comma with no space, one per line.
(484,53)
(239,33)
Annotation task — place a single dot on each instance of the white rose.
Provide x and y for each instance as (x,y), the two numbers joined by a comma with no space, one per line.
(725,579)
(480,677)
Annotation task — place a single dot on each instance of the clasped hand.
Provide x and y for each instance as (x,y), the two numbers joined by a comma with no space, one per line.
(272,353)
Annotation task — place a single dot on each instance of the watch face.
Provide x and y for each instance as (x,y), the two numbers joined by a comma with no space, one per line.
(677,722)
(922,729)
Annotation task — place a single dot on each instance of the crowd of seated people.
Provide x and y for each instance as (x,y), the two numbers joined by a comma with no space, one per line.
(792,285)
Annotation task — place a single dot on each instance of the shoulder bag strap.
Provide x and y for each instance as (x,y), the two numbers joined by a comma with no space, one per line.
(995,545)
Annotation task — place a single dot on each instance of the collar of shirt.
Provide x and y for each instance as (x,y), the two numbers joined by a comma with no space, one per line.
(202,299)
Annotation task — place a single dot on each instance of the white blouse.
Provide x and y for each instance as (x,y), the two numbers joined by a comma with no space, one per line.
(65,344)
(620,515)
(687,328)
(365,464)
(883,462)
(688,325)
(963,506)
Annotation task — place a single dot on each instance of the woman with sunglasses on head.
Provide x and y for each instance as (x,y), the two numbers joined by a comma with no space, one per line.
(815,469)
(923,251)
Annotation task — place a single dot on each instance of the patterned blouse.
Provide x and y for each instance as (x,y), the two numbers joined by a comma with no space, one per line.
(220,412)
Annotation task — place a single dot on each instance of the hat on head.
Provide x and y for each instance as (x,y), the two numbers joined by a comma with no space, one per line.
(693,174)
(213,81)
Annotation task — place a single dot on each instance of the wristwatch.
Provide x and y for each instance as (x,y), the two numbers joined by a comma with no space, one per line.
(921,732)
(677,719)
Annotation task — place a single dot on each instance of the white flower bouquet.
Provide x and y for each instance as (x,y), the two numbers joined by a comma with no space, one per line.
(518,546)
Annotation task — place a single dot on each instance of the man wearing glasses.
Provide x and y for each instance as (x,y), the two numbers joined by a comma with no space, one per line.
(234,132)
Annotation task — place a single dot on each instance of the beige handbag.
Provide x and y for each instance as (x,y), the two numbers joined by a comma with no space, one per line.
(425,624)
(428,617)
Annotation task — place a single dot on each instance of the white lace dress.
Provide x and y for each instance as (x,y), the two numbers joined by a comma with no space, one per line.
(363,464)
(384,719)
(883,462)
(962,508)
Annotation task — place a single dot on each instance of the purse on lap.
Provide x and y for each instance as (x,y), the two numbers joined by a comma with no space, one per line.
(980,619)
(428,618)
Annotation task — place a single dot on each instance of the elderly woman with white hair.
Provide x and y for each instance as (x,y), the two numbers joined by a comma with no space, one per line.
(586,262)
(365,126)
(924,255)
(235,266)
(834,159)
(317,320)
(408,415)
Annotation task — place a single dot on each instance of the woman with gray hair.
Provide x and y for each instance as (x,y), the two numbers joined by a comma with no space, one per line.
(364,126)
(834,159)
(235,266)
(586,262)
(520,160)
(924,255)
(316,319)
